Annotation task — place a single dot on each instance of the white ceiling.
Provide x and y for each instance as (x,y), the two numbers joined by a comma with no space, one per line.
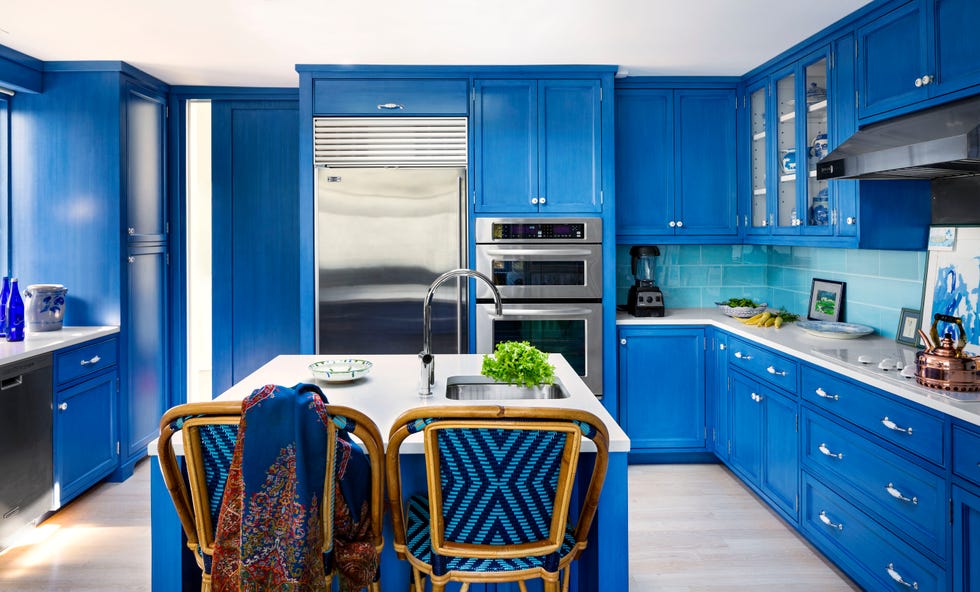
(258,42)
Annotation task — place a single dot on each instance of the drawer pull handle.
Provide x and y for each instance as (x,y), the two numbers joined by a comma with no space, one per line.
(826,520)
(898,577)
(826,451)
(742,356)
(891,425)
(823,393)
(93,360)
(391,106)
(890,488)
(772,370)
(63,407)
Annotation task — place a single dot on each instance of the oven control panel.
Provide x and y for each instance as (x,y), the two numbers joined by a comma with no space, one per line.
(530,230)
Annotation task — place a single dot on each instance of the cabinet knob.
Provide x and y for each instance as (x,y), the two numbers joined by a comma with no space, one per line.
(927,79)
(534,201)
(680,223)
(722,346)
(851,220)
(622,342)
(541,200)
(672,224)
(63,407)
(922,81)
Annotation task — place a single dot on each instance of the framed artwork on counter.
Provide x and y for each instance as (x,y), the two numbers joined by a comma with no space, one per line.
(826,300)
(908,327)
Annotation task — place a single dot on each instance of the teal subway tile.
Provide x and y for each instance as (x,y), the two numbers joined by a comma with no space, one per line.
(682,297)
(884,292)
(901,264)
(716,275)
(803,257)
(695,276)
(861,262)
(779,255)
(829,260)
(863,314)
(795,302)
(711,295)
(718,255)
(688,255)
(746,275)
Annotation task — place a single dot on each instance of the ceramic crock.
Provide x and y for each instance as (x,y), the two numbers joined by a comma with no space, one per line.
(44,307)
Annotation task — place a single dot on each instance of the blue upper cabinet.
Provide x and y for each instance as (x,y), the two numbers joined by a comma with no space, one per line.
(537,146)
(675,163)
(144,173)
(390,96)
(920,50)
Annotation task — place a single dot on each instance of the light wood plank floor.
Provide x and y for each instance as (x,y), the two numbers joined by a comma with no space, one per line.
(692,528)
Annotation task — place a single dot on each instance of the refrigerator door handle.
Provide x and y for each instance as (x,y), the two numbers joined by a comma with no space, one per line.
(462,285)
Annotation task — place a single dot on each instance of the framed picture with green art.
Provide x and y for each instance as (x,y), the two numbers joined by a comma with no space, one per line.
(826,300)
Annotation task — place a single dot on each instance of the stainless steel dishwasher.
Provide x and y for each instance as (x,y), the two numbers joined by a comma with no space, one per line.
(25,443)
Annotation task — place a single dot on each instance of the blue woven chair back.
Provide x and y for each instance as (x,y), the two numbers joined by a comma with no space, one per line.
(498,484)
(217,448)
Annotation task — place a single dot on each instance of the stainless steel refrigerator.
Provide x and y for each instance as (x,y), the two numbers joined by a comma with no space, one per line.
(383,235)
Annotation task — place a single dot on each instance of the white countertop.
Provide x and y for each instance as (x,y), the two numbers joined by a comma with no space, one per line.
(391,389)
(791,340)
(48,341)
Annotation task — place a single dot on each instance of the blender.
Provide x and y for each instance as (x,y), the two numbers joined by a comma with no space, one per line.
(645,299)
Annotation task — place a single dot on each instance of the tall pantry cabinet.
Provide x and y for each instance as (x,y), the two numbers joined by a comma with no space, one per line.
(88,187)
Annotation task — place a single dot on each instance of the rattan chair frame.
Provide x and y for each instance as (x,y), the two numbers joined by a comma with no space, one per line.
(498,417)
(190,496)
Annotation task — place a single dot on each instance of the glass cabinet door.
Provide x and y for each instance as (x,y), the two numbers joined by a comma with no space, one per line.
(816,125)
(757,113)
(787,157)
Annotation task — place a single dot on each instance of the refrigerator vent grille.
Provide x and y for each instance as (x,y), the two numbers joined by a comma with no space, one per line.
(389,141)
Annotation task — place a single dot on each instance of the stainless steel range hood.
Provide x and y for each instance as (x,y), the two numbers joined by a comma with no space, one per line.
(937,143)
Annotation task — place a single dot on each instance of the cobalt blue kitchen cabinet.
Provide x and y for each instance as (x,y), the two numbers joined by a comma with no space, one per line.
(380,97)
(90,177)
(921,50)
(675,162)
(966,507)
(85,428)
(662,386)
(537,146)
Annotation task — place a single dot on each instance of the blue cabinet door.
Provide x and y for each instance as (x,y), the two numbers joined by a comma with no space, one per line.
(892,55)
(720,420)
(745,405)
(704,164)
(957,62)
(145,335)
(782,468)
(644,161)
(505,156)
(85,435)
(569,146)
(662,388)
(145,170)
(966,539)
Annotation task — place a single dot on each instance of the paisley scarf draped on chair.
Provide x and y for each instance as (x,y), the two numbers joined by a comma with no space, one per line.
(269,534)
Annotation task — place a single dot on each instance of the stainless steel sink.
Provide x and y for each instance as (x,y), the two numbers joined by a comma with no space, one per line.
(481,388)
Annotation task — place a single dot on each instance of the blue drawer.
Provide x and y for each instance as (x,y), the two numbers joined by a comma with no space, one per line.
(966,453)
(763,363)
(84,360)
(395,96)
(909,427)
(868,552)
(907,496)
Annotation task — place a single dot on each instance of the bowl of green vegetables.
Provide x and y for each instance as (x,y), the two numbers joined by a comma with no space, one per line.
(741,308)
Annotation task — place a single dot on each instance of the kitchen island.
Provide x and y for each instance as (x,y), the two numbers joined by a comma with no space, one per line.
(388,391)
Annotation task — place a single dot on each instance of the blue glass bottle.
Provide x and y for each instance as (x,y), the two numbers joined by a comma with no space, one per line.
(4,296)
(15,314)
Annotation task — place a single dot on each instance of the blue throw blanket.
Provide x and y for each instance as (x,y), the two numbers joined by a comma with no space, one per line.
(270,533)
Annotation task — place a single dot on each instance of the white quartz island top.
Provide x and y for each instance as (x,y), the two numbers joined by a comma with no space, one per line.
(48,341)
(391,388)
(791,340)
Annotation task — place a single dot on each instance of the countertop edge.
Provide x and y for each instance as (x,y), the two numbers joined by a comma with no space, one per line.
(789,339)
(41,343)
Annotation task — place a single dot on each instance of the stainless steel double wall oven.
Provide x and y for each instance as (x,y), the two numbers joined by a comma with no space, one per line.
(549,274)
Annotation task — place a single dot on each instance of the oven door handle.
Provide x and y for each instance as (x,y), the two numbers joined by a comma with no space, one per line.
(537,312)
(539,252)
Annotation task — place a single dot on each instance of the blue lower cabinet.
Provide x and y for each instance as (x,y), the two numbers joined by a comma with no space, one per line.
(872,555)
(86,441)
(966,538)
(765,442)
(662,386)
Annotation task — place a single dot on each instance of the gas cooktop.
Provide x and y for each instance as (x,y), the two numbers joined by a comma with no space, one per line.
(892,363)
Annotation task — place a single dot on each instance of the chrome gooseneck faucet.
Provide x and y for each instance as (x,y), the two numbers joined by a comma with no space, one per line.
(427,376)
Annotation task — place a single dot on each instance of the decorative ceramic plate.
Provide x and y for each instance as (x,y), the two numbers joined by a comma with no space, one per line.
(835,330)
(340,370)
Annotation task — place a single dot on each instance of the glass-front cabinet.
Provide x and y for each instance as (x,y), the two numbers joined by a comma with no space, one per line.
(788,124)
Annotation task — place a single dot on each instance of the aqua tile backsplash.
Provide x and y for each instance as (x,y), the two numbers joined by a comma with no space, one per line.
(879,283)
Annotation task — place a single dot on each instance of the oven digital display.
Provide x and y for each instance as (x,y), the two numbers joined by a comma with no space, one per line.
(538,231)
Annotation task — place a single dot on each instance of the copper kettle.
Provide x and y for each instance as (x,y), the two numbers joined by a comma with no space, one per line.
(945,366)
